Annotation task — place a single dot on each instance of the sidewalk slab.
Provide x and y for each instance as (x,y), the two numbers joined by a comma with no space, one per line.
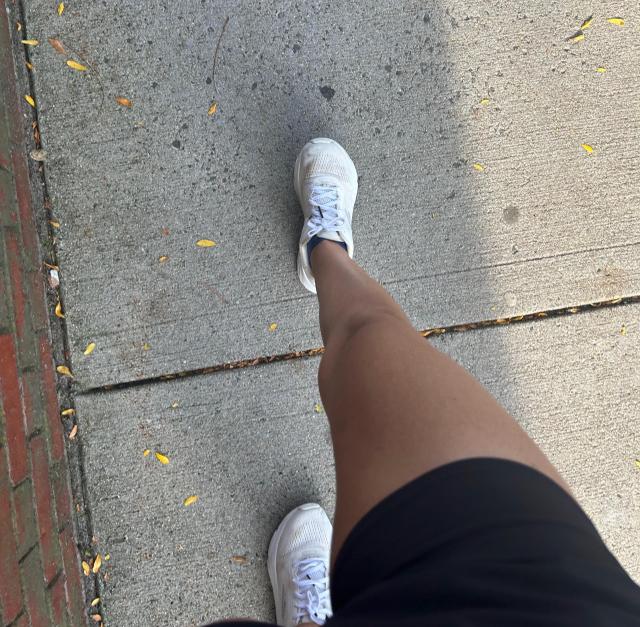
(403,87)
(251,446)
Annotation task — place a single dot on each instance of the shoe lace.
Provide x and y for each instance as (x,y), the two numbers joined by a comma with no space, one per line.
(324,211)
(312,591)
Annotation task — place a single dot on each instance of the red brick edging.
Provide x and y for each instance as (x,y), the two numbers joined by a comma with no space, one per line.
(40,582)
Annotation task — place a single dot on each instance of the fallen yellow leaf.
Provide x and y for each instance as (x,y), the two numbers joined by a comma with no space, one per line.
(85,568)
(18,26)
(91,346)
(54,224)
(107,557)
(125,102)
(73,432)
(163,258)
(618,21)
(60,8)
(478,167)
(68,412)
(97,564)
(190,500)
(58,310)
(485,101)
(273,326)
(579,36)
(586,23)
(30,42)
(213,108)
(64,370)
(205,243)
(587,147)
(74,65)
(30,100)
(601,70)
(317,408)
(56,44)
(638,463)
(95,602)
(29,65)
(146,346)
(623,330)
(163,459)
(146,452)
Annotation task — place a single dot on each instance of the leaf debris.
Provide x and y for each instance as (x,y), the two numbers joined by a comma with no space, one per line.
(60,8)
(125,102)
(74,65)
(97,564)
(64,370)
(273,326)
(30,42)
(30,100)
(213,108)
(68,412)
(85,568)
(95,602)
(601,70)
(587,23)
(616,21)
(579,36)
(485,101)
(58,310)
(73,432)
(238,559)
(163,459)
(163,258)
(91,346)
(146,452)
(205,243)
(56,44)
(190,500)
(478,167)
(587,147)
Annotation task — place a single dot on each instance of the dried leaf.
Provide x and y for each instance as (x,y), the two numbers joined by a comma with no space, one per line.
(18,26)
(95,602)
(190,500)
(56,44)
(30,100)
(485,101)
(273,326)
(617,21)
(238,559)
(55,224)
(163,459)
(38,154)
(97,564)
(623,330)
(74,65)
(318,408)
(587,147)
(68,412)
(91,346)
(175,404)
(579,36)
(107,557)
(125,102)
(64,370)
(85,568)
(163,258)
(146,346)
(96,617)
(29,65)
(60,8)
(586,23)
(213,108)
(146,452)
(73,432)
(205,243)
(58,310)
(478,167)
(30,42)
(601,70)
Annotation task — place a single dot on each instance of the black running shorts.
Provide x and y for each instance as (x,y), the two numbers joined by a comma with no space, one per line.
(481,542)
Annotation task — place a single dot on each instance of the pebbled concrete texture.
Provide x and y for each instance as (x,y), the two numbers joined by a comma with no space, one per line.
(545,225)
(251,446)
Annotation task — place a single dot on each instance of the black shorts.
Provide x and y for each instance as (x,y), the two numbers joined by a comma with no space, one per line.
(481,542)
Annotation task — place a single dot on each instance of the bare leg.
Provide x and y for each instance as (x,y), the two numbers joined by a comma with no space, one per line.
(397,407)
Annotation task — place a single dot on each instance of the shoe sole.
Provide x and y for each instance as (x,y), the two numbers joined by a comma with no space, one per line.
(307,281)
(273,551)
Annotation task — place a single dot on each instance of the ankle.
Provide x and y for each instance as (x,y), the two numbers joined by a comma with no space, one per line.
(317,242)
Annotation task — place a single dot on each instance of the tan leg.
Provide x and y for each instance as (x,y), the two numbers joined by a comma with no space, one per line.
(397,407)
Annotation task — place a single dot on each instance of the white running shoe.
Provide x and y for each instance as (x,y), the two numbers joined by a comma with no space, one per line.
(326,183)
(298,566)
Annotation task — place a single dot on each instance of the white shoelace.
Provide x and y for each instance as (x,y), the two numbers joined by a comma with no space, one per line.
(324,211)
(312,591)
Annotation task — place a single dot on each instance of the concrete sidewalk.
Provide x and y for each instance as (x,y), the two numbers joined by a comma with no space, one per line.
(499,179)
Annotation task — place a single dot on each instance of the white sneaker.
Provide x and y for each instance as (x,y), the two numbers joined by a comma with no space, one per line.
(298,566)
(326,183)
